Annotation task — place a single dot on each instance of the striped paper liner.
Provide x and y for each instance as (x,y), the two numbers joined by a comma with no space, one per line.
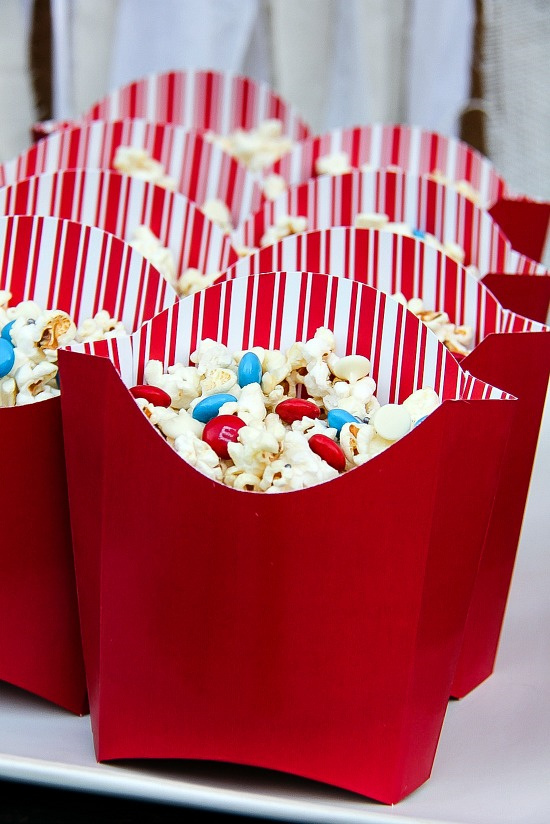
(418,201)
(200,99)
(276,309)
(411,148)
(79,269)
(119,204)
(392,263)
(201,169)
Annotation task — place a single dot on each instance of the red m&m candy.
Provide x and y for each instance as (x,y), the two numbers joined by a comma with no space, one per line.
(294,409)
(152,394)
(220,431)
(329,451)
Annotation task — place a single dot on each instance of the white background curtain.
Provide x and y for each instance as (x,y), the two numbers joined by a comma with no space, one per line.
(341,62)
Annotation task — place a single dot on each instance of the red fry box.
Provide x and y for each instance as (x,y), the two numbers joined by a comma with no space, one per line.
(503,355)
(200,169)
(196,99)
(423,204)
(79,269)
(416,150)
(119,204)
(244,627)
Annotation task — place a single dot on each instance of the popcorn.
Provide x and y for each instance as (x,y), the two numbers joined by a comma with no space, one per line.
(463,187)
(138,163)
(297,468)
(182,383)
(457,339)
(273,186)
(260,440)
(149,245)
(193,280)
(217,211)
(286,225)
(256,148)
(189,282)
(370,220)
(337,163)
(101,327)
(196,452)
(35,335)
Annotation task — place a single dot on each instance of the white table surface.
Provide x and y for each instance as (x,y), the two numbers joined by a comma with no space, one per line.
(492,765)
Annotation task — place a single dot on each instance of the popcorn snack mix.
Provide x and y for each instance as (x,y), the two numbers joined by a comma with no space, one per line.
(30,338)
(91,277)
(237,417)
(332,658)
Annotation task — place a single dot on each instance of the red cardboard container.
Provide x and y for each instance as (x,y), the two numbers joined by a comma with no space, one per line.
(424,204)
(200,168)
(79,269)
(118,204)
(235,626)
(196,99)
(503,355)
(421,152)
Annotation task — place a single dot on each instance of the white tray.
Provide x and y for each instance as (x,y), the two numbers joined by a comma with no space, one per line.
(492,764)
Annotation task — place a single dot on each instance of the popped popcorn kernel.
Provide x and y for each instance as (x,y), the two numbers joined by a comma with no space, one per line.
(31,337)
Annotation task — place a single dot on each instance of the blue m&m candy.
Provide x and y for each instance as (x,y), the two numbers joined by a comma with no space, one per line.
(337,418)
(419,233)
(6,331)
(209,407)
(250,369)
(7,357)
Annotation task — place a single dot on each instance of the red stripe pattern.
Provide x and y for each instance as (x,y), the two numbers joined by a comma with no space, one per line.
(80,269)
(276,309)
(199,100)
(410,148)
(201,169)
(119,204)
(418,201)
(391,263)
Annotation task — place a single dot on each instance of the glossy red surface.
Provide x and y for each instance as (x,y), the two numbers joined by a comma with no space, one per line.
(220,431)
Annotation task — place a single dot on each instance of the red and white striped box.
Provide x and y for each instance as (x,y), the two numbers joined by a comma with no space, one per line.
(314,632)
(503,356)
(196,99)
(200,168)
(421,152)
(119,204)
(79,269)
(424,204)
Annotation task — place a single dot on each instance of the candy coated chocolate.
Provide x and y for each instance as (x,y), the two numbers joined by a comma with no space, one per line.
(7,357)
(329,451)
(419,233)
(220,431)
(338,417)
(250,369)
(294,409)
(6,331)
(152,394)
(209,407)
